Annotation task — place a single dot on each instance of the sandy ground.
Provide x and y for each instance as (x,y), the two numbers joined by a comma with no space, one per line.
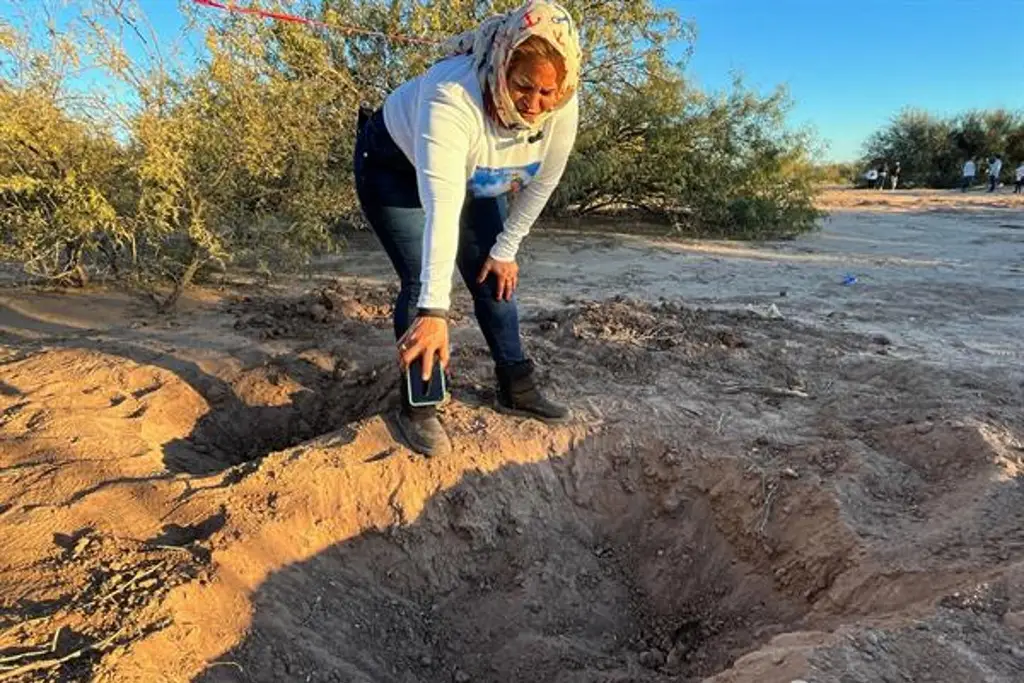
(772,475)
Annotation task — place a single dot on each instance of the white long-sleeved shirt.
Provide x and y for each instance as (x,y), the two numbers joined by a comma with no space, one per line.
(969,169)
(438,121)
(995,168)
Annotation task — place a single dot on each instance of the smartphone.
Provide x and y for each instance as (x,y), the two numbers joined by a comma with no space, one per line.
(429,393)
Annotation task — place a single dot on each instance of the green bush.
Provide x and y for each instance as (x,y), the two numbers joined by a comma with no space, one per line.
(709,165)
(64,188)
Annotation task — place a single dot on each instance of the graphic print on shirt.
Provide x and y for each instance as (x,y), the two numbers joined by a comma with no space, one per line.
(494,182)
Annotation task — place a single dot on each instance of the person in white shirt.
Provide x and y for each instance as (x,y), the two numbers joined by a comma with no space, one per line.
(995,167)
(970,170)
(434,170)
(1019,175)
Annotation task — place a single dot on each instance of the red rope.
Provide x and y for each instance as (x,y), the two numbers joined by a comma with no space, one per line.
(281,16)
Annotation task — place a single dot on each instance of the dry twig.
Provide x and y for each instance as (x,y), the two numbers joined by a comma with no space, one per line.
(54,662)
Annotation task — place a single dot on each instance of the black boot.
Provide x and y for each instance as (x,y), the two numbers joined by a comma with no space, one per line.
(421,429)
(518,395)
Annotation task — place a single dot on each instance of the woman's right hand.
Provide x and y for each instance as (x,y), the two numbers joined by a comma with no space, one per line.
(427,337)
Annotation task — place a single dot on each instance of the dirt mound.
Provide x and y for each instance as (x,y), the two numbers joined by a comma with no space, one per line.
(627,337)
(653,327)
(740,499)
(71,399)
(301,315)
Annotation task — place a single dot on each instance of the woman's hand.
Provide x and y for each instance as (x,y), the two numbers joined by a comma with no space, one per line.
(427,337)
(507,275)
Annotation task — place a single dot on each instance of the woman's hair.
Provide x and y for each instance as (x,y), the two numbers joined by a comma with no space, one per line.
(536,49)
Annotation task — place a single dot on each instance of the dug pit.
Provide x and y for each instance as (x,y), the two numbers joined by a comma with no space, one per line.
(615,562)
(278,405)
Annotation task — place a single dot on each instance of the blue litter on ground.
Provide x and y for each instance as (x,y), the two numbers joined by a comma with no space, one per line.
(850,280)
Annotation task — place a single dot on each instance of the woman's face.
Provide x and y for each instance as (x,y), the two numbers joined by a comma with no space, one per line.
(533,87)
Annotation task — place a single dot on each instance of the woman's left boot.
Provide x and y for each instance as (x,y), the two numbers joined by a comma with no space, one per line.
(518,395)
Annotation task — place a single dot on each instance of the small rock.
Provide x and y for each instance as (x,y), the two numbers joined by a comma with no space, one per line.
(427,660)
(1018,653)
(461,677)
(652,659)
(778,658)
(148,583)
(1014,620)
(881,340)
(318,313)
(790,473)
(675,658)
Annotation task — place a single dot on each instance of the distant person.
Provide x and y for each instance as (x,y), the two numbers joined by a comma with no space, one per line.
(994,169)
(1018,187)
(970,169)
(872,177)
(895,177)
(883,173)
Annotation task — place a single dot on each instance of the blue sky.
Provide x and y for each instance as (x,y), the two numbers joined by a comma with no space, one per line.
(849,64)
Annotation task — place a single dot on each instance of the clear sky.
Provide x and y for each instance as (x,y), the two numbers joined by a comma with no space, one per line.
(849,64)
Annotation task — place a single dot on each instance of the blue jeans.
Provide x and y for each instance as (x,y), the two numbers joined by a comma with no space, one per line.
(389,197)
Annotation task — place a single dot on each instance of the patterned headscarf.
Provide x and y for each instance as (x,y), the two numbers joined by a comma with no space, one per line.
(493,43)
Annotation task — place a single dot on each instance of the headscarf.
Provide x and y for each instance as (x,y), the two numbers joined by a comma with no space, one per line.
(493,43)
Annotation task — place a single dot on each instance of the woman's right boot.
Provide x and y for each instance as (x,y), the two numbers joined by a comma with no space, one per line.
(421,429)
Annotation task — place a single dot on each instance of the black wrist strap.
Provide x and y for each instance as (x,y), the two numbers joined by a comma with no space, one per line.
(432,313)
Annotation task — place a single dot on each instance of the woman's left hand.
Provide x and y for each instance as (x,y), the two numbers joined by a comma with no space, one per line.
(507,275)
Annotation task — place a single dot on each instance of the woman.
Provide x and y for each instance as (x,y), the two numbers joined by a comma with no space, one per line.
(434,167)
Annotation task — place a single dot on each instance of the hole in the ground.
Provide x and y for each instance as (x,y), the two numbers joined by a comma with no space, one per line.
(610,564)
(273,408)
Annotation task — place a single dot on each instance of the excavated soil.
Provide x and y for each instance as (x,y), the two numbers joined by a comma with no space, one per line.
(220,497)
